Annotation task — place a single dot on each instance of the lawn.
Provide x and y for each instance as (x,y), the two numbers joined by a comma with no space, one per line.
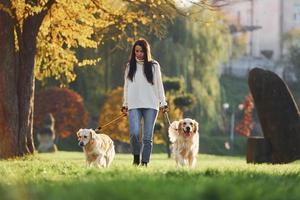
(63,175)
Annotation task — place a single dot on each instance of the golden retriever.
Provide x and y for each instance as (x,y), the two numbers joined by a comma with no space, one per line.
(98,148)
(184,135)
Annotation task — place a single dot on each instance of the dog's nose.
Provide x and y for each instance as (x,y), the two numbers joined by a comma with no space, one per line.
(81,144)
(188,128)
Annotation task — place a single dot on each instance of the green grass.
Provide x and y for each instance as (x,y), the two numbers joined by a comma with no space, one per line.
(63,176)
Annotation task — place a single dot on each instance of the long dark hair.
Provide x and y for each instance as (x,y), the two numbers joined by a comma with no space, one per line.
(148,62)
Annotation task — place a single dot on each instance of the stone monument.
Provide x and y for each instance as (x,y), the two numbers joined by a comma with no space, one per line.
(46,135)
(279,118)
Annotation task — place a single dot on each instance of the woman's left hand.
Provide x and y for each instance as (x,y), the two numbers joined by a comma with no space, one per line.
(164,109)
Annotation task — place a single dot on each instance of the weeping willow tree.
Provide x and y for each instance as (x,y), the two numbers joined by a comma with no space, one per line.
(195,48)
(209,48)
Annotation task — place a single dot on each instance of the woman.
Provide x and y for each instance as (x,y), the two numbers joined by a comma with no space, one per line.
(144,96)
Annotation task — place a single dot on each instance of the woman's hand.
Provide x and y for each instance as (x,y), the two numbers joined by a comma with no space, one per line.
(124,110)
(164,109)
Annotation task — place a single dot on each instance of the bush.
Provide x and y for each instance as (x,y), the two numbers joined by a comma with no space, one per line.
(110,110)
(68,110)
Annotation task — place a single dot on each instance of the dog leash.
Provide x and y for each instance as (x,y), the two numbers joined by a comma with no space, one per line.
(123,115)
(167,117)
(112,121)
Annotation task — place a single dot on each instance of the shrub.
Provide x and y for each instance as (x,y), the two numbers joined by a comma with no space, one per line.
(66,106)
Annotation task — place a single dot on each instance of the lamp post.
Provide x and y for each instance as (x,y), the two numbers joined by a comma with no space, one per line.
(232,122)
(232,112)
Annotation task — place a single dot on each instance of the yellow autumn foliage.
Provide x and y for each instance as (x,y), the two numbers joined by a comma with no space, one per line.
(72,24)
(110,110)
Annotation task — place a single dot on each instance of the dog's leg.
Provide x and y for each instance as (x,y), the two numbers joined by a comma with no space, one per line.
(105,161)
(110,157)
(192,160)
(181,160)
(101,162)
(88,164)
(177,163)
(193,154)
(185,162)
(177,158)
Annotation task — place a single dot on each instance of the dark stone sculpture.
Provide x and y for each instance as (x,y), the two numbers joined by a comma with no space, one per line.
(258,150)
(278,115)
(46,136)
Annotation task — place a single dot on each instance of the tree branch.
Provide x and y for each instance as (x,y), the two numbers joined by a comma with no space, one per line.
(6,9)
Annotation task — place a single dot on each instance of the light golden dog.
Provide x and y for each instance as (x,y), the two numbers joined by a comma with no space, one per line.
(184,135)
(98,148)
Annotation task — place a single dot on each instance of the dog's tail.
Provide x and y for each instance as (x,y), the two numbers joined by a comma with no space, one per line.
(173,131)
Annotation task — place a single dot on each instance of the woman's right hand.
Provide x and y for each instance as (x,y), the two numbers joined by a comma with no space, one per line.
(124,110)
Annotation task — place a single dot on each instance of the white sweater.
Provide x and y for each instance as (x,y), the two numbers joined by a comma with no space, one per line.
(139,93)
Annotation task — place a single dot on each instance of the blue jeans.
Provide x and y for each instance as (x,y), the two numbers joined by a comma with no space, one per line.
(149,116)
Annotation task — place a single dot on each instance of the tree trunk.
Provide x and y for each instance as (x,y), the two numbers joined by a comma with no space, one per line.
(9,111)
(25,85)
(17,83)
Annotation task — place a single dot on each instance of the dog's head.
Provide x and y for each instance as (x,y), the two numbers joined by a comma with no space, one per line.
(188,127)
(85,136)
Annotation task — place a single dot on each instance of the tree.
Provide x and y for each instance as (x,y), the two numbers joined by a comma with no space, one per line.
(17,76)
(48,32)
(209,43)
(195,48)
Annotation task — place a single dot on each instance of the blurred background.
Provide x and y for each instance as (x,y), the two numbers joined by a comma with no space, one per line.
(205,49)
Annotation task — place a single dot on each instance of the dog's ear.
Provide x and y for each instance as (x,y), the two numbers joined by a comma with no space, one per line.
(92,133)
(196,126)
(180,126)
(174,125)
(173,131)
(78,132)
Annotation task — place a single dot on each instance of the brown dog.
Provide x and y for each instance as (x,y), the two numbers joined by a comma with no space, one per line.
(184,135)
(98,148)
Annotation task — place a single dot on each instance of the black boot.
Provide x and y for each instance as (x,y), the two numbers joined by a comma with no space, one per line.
(144,164)
(136,160)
